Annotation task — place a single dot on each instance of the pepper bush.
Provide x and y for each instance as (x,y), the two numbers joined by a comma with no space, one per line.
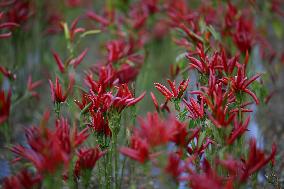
(136,93)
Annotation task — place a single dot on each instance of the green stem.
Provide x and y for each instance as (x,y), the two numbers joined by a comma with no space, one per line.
(51,181)
(20,100)
(115,162)
(132,172)
(109,169)
(5,129)
(87,177)
(57,109)
(105,168)
(100,175)
(114,123)
(122,172)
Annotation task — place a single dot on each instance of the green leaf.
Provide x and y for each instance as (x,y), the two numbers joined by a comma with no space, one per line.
(66,31)
(181,56)
(260,90)
(90,32)
(201,139)
(278,28)
(202,25)
(191,124)
(215,34)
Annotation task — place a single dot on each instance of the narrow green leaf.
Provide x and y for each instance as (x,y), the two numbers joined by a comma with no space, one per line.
(215,34)
(66,31)
(201,139)
(278,28)
(90,32)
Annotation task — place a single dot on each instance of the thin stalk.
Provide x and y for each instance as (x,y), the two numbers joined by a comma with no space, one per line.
(115,162)
(132,163)
(87,177)
(105,159)
(6,132)
(25,96)
(122,172)
(57,109)
(132,172)
(99,175)
(114,123)
(109,169)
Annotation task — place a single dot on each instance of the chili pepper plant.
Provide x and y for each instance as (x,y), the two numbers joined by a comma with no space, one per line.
(137,93)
